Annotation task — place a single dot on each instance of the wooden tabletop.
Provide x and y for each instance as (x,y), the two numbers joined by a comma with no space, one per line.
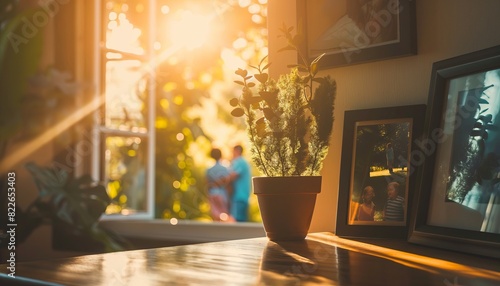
(321,259)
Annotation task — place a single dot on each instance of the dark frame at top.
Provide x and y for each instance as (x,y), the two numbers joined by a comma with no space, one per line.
(362,52)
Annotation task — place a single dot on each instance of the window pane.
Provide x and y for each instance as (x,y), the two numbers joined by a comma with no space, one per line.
(125,95)
(125,21)
(125,174)
(126,39)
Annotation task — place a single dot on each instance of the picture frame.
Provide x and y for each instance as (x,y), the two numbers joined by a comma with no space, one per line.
(457,205)
(366,164)
(352,33)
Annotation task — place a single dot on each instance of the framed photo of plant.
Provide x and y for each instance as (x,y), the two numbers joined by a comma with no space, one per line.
(351,32)
(378,171)
(458,202)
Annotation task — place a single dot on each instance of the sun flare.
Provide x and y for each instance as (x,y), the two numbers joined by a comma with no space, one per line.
(189,30)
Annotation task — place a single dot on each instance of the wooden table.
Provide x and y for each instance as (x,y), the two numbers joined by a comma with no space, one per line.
(322,259)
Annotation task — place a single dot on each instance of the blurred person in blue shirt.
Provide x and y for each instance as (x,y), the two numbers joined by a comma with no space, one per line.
(241,179)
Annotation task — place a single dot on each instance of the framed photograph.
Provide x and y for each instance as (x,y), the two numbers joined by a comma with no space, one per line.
(352,32)
(458,202)
(378,171)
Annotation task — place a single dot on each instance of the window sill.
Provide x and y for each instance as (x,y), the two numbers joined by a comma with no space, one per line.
(185,230)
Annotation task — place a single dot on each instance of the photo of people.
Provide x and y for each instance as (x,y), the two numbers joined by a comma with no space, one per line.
(379,177)
(366,211)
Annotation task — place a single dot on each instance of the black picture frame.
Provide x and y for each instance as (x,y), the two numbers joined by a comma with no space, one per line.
(462,150)
(363,164)
(330,27)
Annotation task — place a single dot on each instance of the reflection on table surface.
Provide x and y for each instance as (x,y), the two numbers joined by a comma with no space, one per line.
(322,258)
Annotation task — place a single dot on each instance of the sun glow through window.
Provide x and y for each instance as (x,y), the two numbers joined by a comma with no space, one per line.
(189,30)
(175,59)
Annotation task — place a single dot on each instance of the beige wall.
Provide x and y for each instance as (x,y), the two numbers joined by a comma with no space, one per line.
(445,28)
(39,244)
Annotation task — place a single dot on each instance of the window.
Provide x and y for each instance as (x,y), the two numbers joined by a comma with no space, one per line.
(125,122)
(165,71)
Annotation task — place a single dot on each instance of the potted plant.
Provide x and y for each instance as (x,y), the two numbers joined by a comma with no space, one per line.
(72,205)
(289,123)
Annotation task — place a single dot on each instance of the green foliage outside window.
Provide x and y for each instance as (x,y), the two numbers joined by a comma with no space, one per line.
(183,92)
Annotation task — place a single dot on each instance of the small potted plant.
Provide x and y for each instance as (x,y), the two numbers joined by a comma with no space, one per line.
(289,123)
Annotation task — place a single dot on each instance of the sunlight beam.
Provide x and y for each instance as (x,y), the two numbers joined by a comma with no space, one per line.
(190,30)
(193,22)
(433,265)
(27,148)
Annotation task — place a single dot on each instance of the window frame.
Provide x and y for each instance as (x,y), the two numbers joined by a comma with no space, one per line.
(100,131)
(145,225)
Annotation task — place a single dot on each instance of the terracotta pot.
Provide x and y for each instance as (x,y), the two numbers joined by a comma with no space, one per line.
(287,205)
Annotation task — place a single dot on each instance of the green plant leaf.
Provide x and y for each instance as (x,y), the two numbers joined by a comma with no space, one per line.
(314,68)
(77,202)
(84,180)
(234,102)
(262,78)
(314,64)
(241,72)
(260,125)
(270,97)
(320,80)
(292,138)
(238,112)
(262,60)
(318,58)
(269,113)
(253,99)
(46,179)
(72,197)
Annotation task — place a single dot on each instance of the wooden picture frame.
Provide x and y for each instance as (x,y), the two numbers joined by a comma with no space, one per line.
(351,33)
(366,207)
(458,201)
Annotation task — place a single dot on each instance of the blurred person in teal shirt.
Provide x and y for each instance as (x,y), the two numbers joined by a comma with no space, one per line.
(241,179)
